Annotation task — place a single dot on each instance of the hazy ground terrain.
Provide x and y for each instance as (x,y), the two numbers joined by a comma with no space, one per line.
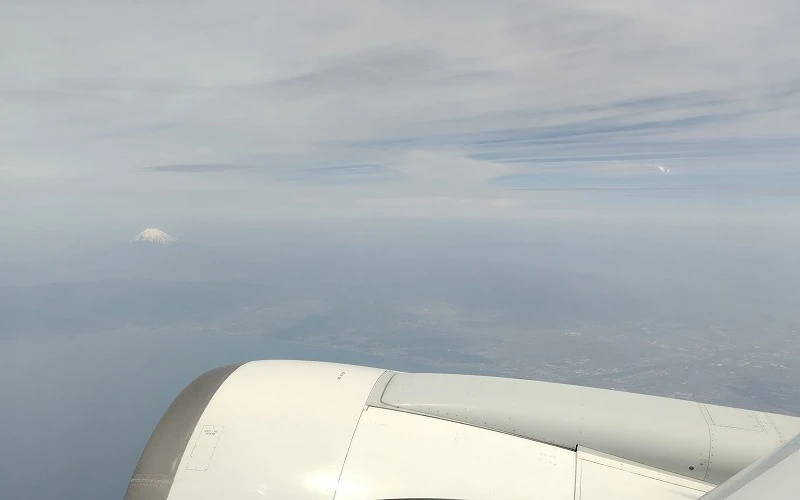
(617,312)
(95,342)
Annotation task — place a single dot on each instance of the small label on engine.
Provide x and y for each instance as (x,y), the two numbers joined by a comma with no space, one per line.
(204,447)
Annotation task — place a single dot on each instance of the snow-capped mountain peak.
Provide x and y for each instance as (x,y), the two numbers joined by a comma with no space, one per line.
(154,236)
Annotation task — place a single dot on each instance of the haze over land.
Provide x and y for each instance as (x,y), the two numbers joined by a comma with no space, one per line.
(632,307)
(600,193)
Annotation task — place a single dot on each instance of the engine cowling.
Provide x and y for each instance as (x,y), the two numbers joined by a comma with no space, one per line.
(313,430)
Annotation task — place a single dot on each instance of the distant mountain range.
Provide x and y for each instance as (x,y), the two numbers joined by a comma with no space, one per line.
(152,254)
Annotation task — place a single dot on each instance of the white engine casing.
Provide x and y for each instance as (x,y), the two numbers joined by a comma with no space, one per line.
(312,430)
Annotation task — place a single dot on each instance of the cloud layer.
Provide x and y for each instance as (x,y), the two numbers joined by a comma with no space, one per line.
(361,102)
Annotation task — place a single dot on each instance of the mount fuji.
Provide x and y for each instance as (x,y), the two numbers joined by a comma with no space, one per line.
(154,236)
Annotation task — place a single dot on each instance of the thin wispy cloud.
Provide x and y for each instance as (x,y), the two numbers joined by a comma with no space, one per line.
(200,168)
(338,102)
(338,175)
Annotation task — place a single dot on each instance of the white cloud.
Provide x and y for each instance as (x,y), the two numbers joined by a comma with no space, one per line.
(441,93)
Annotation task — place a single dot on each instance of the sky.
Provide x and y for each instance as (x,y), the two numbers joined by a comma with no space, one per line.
(121,114)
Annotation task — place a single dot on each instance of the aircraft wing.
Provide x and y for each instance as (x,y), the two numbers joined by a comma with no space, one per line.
(775,476)
(312,430)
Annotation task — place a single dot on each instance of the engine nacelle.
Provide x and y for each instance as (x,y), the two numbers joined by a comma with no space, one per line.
(311,430)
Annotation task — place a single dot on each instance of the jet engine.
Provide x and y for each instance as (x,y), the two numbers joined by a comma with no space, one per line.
(312,430)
